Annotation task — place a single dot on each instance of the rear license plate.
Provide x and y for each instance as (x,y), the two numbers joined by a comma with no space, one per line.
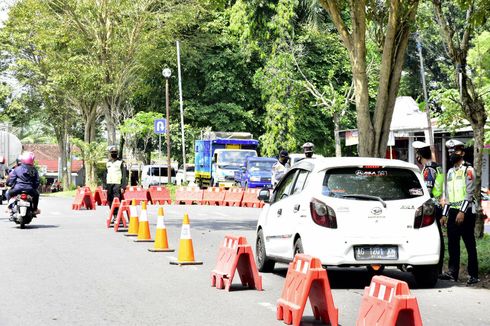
(24,203)
(376,252)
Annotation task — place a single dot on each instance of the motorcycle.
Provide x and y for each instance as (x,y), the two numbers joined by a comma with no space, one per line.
(22,211)
(3,190)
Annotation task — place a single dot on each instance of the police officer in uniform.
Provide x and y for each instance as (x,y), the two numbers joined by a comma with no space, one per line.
(115,177)
(434,181)
(308,149)
(280,167)
(458,213)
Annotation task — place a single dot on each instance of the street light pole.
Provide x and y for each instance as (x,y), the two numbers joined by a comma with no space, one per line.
(167,73)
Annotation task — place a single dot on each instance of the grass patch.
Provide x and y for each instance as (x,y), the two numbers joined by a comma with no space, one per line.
(483,249)
(63,194)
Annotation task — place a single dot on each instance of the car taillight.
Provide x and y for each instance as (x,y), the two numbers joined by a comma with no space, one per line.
(23,196)
(425,215)
(322,214)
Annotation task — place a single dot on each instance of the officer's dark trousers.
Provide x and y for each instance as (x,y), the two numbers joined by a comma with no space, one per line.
(113,191)
(454,234)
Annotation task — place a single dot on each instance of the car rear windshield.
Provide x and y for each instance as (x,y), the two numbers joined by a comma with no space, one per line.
(385,183)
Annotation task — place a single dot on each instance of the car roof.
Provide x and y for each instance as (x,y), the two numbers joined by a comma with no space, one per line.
(258,158)
(323,163)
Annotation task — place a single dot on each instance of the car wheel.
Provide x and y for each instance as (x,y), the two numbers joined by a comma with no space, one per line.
(298,247)
(264,264)
(426,275)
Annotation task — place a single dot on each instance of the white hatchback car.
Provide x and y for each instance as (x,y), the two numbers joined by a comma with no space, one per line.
(351,212)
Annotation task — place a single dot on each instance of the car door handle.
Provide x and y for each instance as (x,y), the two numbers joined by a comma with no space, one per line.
(296,208)
(279,212)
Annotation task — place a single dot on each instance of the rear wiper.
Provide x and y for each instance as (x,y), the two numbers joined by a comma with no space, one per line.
(366,197)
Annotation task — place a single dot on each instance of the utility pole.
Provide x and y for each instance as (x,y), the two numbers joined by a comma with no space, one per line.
(426,99)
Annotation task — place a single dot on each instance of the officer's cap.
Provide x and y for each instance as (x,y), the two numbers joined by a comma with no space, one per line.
(308,147)
(284,153)
(454,144)
(419,144)
(112,148)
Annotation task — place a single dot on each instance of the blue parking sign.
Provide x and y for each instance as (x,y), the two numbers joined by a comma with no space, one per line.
(160,126)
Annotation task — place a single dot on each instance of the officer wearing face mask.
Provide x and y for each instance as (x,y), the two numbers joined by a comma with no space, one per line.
(459,212)
(434,181)
(115,177)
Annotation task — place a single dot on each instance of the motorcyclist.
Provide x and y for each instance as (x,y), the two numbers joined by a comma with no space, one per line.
(24,178)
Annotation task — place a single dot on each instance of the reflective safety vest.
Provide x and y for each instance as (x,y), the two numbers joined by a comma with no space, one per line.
(456,186)
(114,172)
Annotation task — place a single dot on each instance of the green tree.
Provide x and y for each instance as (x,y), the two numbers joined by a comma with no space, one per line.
(91,153)
(389,24)
(457,37)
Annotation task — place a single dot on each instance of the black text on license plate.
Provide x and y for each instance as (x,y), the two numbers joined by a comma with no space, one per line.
(376,252)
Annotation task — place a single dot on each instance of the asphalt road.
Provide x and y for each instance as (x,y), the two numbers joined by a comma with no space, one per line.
(67,268)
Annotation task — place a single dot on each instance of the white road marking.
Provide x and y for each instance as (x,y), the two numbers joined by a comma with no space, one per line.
(268,306)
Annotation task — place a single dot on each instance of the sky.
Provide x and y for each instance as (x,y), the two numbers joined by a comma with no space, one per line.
(4,5)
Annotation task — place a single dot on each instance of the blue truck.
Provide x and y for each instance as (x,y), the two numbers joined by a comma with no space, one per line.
(256,173)
(218,155)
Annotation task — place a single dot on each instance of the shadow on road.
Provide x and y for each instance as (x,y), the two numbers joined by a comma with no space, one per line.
(41,226)
(218,225)
(359,278)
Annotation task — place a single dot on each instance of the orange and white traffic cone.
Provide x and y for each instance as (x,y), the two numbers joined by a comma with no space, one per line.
(161,241)
(133,220)
(186,249)
(143,226)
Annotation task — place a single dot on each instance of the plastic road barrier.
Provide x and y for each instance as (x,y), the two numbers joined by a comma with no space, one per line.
(235,254)
(250,198)
(388,302)
(159,195)
(83,199)
(306,278)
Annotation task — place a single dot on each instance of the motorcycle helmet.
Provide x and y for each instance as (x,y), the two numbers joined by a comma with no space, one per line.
(27,158)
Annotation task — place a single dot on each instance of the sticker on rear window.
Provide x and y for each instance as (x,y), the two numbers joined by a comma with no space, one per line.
(415,192)
(363,173)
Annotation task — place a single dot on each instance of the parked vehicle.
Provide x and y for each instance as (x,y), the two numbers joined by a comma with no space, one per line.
(257,173)
(3,190)
(219,155)
(154,175)
(22,211)
(351,212)
(189,175)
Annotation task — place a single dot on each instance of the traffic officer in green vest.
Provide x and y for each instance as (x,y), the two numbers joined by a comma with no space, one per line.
(115,177)
(459,212)
(434,181)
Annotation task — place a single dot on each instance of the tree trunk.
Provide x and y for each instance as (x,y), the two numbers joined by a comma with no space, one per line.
(373,133)
(336,121)
(90,115)
(111,128)
(478,131)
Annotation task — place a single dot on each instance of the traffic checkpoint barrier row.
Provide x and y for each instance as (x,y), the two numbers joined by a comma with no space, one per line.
(388,302)
(236,197)
(306,278)
(83,199)
(235,254)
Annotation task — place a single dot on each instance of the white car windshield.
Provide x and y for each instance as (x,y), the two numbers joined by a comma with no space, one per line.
(371,183)
(260,165)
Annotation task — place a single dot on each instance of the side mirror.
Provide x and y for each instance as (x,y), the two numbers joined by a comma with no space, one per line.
(264,195)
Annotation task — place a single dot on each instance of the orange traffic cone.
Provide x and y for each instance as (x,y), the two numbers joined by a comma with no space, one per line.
(186,250)
(143,226)
(133,220)
(161,241)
